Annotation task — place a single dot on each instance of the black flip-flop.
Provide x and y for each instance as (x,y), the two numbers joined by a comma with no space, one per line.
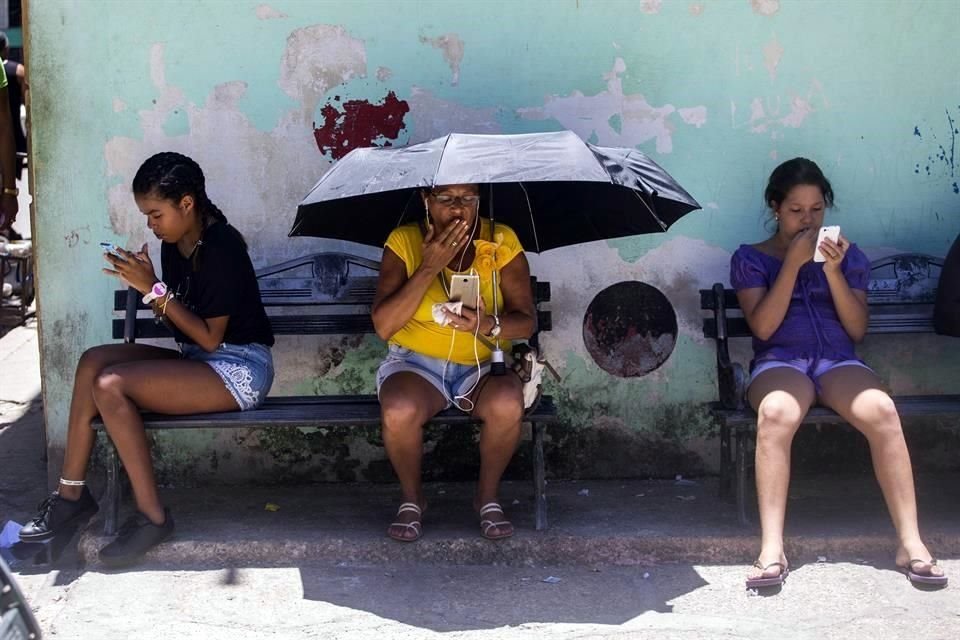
(923,578)
(773,581)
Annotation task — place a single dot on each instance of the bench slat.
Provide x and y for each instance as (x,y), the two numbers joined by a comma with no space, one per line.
(907,406)
(306,325)
(298,292)
(314,411)
(737,327)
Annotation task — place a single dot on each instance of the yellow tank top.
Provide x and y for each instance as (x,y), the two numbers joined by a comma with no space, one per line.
(421,333)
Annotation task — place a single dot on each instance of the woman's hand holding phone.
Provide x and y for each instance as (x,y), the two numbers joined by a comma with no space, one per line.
(833,252)
(469,320)
(136,269)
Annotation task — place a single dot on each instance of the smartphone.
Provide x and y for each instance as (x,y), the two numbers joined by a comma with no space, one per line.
(111,248)
(466,289)
(825,232)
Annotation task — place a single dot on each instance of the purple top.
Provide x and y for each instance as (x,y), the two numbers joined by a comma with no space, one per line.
(811,327)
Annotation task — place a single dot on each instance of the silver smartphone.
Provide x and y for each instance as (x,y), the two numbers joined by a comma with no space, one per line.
(466,289)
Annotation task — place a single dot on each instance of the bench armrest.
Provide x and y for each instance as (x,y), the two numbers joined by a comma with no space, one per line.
(731,378)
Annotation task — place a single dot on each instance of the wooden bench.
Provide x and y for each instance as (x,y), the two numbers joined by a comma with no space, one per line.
(334,299)
(900,295)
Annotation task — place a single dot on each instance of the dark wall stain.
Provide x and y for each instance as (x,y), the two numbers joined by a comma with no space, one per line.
(360,124)
(944,153)
(630,329)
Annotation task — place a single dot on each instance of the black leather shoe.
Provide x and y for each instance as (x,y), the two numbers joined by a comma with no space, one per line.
(136,536)
(57,513)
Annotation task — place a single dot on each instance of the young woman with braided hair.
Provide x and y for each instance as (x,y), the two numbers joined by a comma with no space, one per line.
(209,297)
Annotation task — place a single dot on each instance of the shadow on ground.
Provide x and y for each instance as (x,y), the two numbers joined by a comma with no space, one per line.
(472,597)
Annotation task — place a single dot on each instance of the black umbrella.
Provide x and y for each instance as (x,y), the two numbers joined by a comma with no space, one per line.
(553,189)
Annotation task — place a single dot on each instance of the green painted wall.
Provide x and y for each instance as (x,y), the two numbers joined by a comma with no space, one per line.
(718,92)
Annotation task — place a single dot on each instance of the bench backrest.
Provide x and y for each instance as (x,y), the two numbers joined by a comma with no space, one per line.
(900,293)
(320,294)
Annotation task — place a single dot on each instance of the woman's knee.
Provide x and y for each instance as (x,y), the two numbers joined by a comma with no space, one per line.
(503,406)
(779,412)
(93,360)
(879,413)
(400,413)
(107,385)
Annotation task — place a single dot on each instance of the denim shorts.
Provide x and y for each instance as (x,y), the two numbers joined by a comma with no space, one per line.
(451,379)
(810,367)
(246,369)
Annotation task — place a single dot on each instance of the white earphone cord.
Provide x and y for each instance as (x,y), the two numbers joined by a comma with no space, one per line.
(465,397)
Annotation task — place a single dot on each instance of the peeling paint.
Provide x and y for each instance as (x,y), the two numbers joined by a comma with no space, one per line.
(800,109)
(765,7)
(246,169)
(452,48)
(765,114)
(772,53)
(384,74)
(318,58)
(697,9)
(697,116)
(431,117)
(119,105)
(651,7)
(266,12)
(587,115)
(360,124)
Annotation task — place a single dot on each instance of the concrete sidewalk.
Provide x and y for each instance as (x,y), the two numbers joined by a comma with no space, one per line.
(628,522)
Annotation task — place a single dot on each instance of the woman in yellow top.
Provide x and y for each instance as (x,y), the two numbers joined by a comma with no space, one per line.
(431,366)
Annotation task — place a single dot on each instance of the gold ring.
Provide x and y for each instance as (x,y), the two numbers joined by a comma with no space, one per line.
(454,243)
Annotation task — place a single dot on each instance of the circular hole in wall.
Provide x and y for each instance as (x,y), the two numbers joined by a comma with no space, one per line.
(630,329)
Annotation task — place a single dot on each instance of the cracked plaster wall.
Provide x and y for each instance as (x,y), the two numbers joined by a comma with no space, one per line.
(716,92)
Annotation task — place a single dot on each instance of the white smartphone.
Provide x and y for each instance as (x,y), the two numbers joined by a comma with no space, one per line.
(465,289)
(111,248)
(825,232)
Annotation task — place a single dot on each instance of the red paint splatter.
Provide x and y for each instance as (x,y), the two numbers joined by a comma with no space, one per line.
(359,124)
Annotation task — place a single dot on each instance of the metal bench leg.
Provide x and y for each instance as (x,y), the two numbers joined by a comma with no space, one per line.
(741,460)
(539,478)
(726,483)
(112,498)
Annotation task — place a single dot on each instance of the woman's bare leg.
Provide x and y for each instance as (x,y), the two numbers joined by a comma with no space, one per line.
(499,404)
(80,436)
(164,386)
(407,401)
(857,394)
(781,397)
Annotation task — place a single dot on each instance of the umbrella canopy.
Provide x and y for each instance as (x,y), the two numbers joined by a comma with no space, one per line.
(553,189)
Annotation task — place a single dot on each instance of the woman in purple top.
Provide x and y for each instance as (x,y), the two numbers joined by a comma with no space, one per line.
(805,317)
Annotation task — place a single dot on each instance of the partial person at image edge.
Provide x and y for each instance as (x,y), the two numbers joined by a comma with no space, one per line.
(946,310)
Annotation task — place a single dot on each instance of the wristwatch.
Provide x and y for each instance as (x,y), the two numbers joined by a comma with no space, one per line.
(158,290)
(495,331)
